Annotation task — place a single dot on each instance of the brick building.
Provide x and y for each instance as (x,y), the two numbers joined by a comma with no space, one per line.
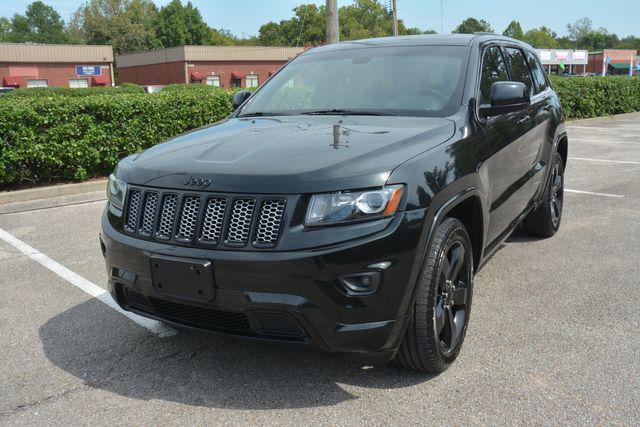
(39,65)
(224,66)
(620,60)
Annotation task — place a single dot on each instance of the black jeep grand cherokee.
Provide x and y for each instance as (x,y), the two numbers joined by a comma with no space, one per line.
(348,202)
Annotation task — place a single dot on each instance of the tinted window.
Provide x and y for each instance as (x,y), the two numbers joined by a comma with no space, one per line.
(402,80)
(493,70)
(539,76)
(518,67)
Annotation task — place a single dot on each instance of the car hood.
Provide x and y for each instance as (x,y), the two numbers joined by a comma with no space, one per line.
(287,155)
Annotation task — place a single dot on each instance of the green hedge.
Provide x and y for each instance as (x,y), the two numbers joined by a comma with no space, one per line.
(584,97)
(43,92)
(44,139)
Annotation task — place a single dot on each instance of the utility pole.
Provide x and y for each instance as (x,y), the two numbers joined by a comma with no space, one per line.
(332,36)
(394,12)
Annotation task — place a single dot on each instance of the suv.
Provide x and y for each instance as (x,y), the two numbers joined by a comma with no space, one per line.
(348,202)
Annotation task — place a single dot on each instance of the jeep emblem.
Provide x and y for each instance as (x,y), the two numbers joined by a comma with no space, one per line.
(197,182)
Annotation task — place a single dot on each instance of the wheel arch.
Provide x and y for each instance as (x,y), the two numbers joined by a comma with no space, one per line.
(563,148)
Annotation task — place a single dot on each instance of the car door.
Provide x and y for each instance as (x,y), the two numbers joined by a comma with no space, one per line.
(508,136)
(540,112)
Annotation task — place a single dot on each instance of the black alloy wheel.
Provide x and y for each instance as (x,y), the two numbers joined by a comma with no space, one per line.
(438,323)
(451,308)
(545,220)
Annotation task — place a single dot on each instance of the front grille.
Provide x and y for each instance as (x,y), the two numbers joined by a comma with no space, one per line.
(204,219)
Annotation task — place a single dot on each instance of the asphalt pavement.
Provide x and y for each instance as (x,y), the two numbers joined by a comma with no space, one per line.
(554,336)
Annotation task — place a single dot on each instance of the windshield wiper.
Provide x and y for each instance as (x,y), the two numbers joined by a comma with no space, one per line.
(345,112)
(260,114)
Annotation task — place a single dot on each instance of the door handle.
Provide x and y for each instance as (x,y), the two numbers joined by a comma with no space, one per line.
(524,121)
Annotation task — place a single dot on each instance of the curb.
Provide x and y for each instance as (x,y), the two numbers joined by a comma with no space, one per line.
(52,191)
(635,115)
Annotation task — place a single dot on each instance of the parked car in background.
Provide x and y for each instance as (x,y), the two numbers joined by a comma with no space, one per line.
(6,90)
(153,88)
(347,203)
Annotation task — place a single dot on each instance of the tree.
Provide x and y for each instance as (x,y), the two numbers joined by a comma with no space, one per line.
(39,24)
(361,19)
(181,25)
(128,25)
(579,28)
(541,38)
(514,30)
(472,25)
(5,27)
(305,27)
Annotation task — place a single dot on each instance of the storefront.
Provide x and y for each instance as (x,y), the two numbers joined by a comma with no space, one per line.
(38,65)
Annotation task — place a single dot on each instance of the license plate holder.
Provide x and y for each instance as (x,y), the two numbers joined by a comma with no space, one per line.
(183,278)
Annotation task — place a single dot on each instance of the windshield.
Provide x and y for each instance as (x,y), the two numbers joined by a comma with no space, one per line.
(395,80)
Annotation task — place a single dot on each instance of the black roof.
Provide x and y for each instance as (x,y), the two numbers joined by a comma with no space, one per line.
(422,40)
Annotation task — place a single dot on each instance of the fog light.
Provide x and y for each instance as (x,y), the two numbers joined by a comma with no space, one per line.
(360,284)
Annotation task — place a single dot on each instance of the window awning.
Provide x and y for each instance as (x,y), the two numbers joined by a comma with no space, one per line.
(14,81)
(238,75)
(620,65)
(197,76)
(99,81)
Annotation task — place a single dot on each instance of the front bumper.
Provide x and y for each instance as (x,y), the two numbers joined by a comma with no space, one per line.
(288,296)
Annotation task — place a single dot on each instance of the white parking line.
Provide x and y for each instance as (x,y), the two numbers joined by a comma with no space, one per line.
(604,141)
(617,196)
(633,129)
(159,329)
(624,162)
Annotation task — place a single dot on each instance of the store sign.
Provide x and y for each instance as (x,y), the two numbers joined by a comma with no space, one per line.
(88,70)
(545,55)
(562,55)
(579,56)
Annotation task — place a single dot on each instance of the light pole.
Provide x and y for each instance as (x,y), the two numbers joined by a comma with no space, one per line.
(394,12)
(332,36)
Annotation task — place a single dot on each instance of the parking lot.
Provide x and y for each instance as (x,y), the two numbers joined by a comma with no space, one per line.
(554,336)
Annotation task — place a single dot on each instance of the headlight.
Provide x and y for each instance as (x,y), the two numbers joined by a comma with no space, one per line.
(332,208)
(116,191)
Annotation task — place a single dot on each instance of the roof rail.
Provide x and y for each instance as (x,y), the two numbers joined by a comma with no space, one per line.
(480,33)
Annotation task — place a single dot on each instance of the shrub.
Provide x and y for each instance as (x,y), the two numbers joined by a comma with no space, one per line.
(43,92)
(584,97)
(44,139)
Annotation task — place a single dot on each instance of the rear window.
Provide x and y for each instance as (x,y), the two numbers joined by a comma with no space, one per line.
(539,75)
(518,67)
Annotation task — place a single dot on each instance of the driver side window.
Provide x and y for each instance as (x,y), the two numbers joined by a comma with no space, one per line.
(493,70)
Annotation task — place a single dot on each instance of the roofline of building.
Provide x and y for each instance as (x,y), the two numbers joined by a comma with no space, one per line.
(194,53)
(55,53)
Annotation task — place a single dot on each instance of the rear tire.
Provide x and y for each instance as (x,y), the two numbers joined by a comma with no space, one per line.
(545,220)
(438,323)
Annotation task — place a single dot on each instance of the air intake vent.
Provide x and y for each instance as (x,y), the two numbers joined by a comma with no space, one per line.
(188,218)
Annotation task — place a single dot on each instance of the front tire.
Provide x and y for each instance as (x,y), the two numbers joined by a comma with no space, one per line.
(545,220)
(438,323)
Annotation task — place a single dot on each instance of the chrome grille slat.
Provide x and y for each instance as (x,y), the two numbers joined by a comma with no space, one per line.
(133,211)
(240,221)
(148,214)
(213,220)
(188,218)
(167,215)
(225,221)
(269,222)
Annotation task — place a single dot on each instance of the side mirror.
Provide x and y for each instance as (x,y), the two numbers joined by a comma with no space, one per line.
(506,97)
(240,97)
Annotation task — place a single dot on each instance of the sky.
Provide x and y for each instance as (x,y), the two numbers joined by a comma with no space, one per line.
(244,17)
